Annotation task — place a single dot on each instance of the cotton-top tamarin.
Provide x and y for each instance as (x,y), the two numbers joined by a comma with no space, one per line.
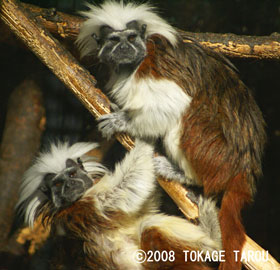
(186,95)
(100,219)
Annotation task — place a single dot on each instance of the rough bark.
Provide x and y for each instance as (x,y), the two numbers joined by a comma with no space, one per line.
(21,141)
(235,46)
(82,84)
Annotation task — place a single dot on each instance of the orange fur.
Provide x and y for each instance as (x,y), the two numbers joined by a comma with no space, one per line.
(223,130)
(230,220)
(154,240)
(148,66)
(220,168)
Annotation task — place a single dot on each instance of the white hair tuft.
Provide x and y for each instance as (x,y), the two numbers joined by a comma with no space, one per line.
(52,161)
(117,15)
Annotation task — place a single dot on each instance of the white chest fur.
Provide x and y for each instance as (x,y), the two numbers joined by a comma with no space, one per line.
(154,105)
(119,247)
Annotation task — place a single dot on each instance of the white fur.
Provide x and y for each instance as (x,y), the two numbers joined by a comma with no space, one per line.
(155,108)
(171,143)
(154,104)
(30,212)
(53,161)
(209,220)
(120,246)
(178,229)
(129,189)
(117,15)
(129,186)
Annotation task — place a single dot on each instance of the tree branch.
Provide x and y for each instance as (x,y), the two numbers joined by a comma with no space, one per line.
(21,140)
(231,45)
(256,47)
(82,84)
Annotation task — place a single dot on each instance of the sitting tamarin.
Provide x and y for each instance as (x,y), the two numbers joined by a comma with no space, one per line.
(185,95)
(103,219)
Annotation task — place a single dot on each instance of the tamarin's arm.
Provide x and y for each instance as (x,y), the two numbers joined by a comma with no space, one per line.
(130,184)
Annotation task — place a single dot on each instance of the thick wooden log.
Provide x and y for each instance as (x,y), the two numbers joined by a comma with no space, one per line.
(20,143)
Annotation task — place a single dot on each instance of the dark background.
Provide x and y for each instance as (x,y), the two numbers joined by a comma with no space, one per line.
(247,17)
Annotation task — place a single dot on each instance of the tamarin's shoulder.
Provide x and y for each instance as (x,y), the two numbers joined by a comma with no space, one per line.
(163,59)
(188,48)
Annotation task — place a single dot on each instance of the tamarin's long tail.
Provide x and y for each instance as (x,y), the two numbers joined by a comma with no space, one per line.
(233,233)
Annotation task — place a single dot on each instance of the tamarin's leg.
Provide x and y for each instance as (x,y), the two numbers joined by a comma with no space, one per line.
(164,167)
(173,235)
(155,240)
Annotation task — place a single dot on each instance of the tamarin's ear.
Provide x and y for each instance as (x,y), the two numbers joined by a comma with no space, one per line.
(132,25)
(71,163)
(95,37)
(46,182)
(105,30)
(143,30)
(97,40)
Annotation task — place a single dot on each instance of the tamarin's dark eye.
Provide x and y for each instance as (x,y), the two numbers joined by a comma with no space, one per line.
(58,183)
(114,38)
(131,37)
(72,174)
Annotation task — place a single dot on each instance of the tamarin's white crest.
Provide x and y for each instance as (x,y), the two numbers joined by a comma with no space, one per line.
(186,95)
(102,218)
(52,161)
(116,15)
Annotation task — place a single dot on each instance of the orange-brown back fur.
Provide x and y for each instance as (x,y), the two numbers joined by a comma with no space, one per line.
(222,130)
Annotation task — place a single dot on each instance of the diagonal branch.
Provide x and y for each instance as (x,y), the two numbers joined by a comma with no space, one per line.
(82,84)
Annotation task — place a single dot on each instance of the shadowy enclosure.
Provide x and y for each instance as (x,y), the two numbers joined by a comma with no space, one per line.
(35,107)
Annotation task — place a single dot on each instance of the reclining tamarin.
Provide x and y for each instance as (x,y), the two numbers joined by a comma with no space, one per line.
(102,218)
(186,96)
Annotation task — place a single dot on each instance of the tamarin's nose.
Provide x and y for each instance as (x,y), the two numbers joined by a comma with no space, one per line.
(72,183)
(124,46)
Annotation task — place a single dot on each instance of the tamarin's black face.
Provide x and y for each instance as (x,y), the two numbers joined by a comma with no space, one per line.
(122,48)
(68,186)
